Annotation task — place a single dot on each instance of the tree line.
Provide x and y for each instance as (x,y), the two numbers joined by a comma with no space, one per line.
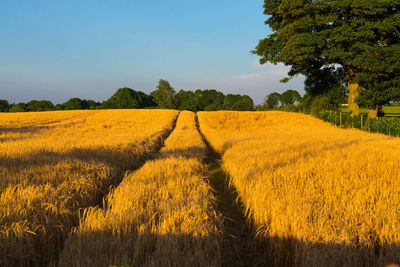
(337,44)
(164,97)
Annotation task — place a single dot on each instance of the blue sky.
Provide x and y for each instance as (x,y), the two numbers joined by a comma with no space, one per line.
(58,49)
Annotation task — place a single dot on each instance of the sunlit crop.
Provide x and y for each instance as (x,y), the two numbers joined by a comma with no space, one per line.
(102,187)
(318,195)
(53,164)
(161,215)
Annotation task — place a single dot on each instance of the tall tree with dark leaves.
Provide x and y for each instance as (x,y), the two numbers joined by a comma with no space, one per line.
(313,35)
(164,96)
(272,100)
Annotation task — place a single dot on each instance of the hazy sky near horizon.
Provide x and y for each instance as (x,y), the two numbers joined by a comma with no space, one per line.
(56,50)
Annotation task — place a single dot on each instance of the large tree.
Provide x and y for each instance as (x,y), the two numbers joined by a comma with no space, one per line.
(74,103)
(272,100)
(4,105)
(382,81)
(209,97)
(186,100)
(125,98)
(289,97)
(230,100)
(313,35)
(42,105)
(164,96)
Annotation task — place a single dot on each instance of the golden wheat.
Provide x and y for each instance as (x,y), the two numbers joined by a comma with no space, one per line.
(161,215)
(55,163)
(319,195)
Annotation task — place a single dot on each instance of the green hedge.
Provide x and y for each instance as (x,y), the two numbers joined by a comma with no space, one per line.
(342,119)
(384,125)
(389,126)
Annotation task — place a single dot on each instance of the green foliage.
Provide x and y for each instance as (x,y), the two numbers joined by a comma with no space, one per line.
(186,100)
(199,100)
(328,82)
(42,105)
(74,104)
(385,125)
(362,37)
(209,97)
(125,98)
(242,106)
(318,104)
(389,126)
(290,97)
(343,119)
(4,105)
(59,107)
(20,107)
(91,104)
(213,107)
(230,100)
(272,100)
(305,104)
(164,96)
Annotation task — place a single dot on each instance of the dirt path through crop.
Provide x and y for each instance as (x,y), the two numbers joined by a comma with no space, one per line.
(148,156)
(240,243)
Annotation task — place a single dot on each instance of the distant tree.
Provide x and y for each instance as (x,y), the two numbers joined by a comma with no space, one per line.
(42,105)
(318,104)
(147,100)
(199,100)
(305,103)
(125,98)
(73,104)
(209,97)
(187,100)
(92,104)
(84,104)
(242,106)
(59,107)
(20,107)
(230,100)
(289,97)
(247,99)
(272,100)
(4,105)
(213,107)
(164,96)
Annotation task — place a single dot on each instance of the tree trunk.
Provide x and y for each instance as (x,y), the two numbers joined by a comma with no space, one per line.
(354,91)
(373,112)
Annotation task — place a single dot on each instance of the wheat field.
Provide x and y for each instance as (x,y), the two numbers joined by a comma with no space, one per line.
(54,164)
(137,188)
(318,195)
(160,215)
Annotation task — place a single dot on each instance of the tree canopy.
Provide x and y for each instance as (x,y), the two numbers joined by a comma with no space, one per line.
(289,97)
(42,105)
(74,103)
(272,100)
(164,96)
(20,107)
(4,105)
(125,98)
(231,99)
(362,37)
